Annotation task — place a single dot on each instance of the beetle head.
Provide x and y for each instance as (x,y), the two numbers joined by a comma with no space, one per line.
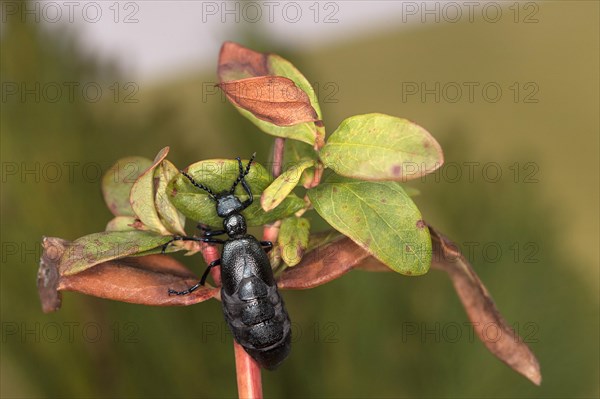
(228,204)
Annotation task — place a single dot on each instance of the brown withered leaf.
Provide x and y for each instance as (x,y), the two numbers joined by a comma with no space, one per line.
(505,343)
(238,62)
(274,99)
(143,280)
(301,121)
(323,264)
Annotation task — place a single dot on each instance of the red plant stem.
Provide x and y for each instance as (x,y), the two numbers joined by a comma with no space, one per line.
(317,176)
(278,149)
(247,370)
(270,232)
(248,374)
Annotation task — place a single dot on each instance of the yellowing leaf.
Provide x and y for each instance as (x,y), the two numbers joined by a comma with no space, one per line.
(121,223)
(117,182)
(283,185)
(141,197)
(96,248)
(381,147)
(293,239)
(170,217)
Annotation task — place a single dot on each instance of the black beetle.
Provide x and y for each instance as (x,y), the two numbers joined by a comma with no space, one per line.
(252,305)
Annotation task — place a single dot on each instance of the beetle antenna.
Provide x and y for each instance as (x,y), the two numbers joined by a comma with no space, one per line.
(243,173)
(199,185)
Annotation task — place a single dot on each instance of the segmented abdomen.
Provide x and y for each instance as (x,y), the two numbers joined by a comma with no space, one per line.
(258,320)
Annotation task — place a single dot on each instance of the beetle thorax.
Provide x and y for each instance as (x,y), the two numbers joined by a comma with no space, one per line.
(235,225)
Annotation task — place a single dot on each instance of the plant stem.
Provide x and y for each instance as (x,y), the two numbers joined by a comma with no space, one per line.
(248,374)
(247,370)
(319,168)
(278,148)
(270,232)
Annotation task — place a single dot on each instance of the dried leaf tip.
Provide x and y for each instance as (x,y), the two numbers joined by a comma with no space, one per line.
(48,275)
(506,345)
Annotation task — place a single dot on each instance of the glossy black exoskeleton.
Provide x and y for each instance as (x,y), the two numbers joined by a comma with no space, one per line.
(252,306)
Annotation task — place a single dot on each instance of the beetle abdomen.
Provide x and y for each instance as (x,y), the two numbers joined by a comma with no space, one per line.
(258,320)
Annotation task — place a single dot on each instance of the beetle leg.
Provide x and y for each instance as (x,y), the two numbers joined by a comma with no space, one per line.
(185,292)
(210,240)
(201,283)
(166,245)
(210,266)
(211,233)
(207,232)
(267,244)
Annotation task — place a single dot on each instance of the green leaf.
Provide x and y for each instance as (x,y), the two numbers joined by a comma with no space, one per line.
(378,216)
(381,147)
(142,196)
(96,248)
(219,175)
(283,185)
(170,217)
(293,239)
(117,182)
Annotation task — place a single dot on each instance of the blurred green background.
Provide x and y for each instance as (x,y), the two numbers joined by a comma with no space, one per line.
(351,336)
